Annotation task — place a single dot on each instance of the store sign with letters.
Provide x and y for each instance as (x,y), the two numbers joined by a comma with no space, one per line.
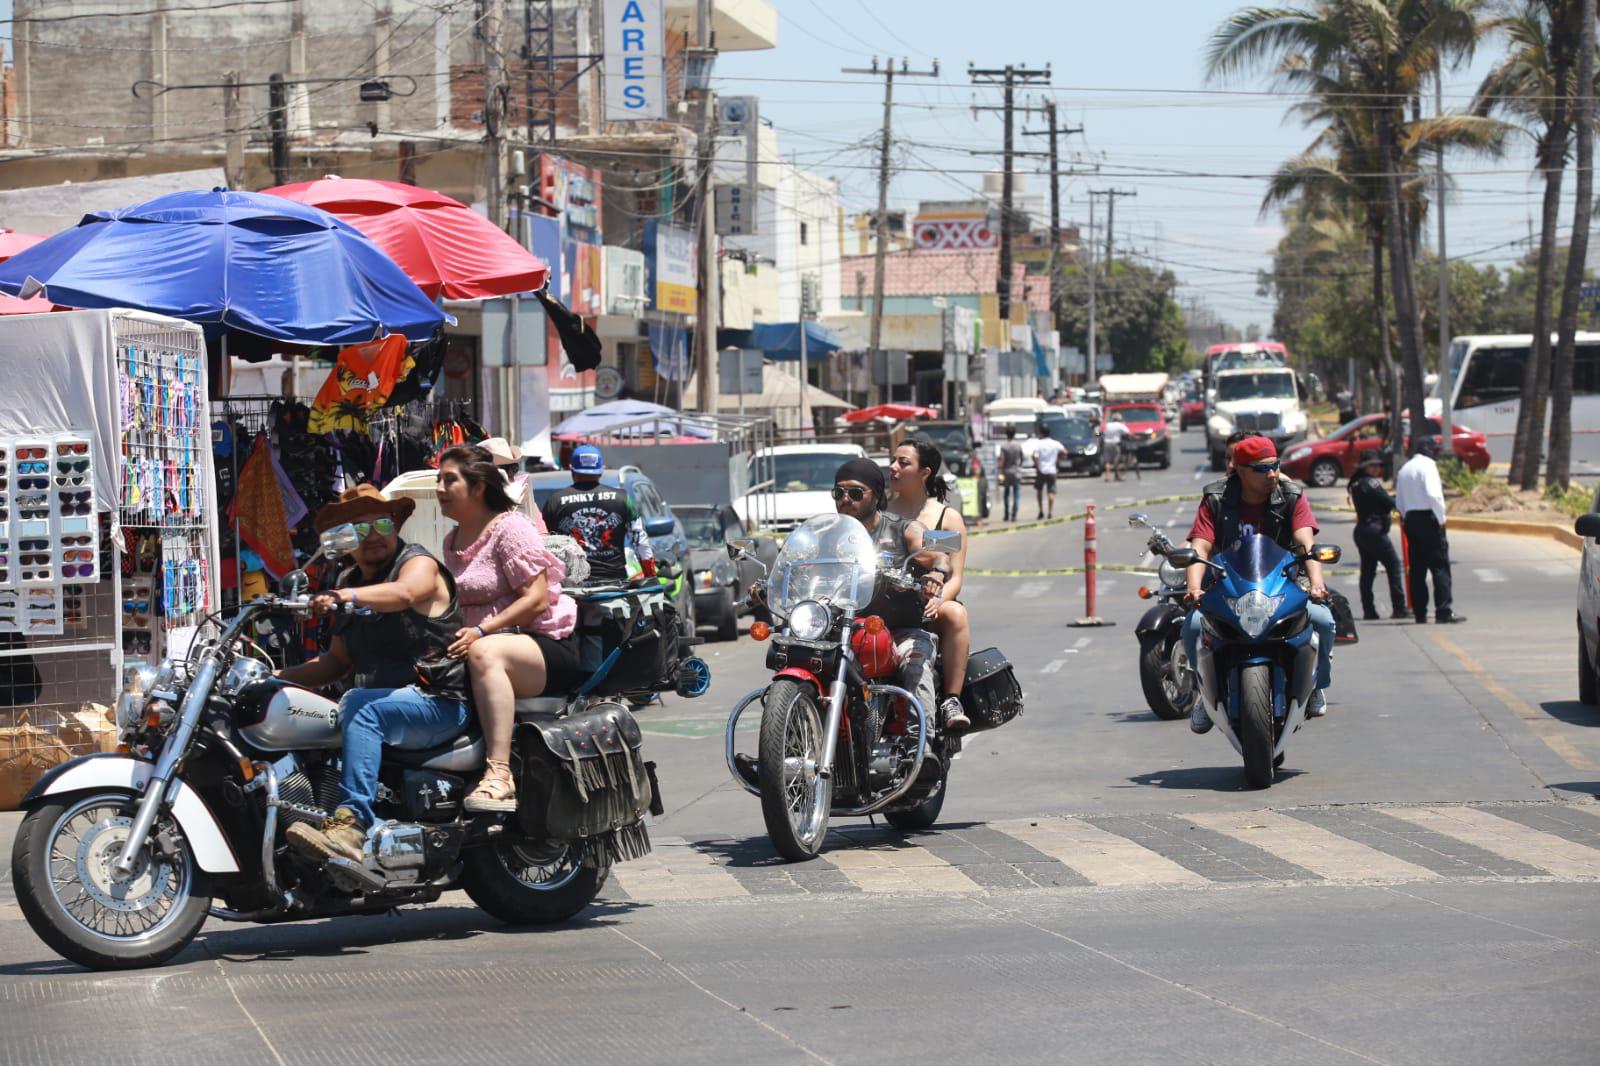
(634,76)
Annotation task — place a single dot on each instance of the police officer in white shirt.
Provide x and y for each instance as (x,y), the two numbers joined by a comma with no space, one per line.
(1419,497)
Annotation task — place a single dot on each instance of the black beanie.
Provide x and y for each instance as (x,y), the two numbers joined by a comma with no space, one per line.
(865,471)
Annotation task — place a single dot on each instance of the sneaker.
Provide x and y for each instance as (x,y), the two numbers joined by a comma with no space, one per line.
(341,837)
(954,717)
(1450,619)
(1317,706)
(1199,720)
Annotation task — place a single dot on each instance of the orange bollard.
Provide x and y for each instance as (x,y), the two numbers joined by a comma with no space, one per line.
(1091,555)
(1405,564)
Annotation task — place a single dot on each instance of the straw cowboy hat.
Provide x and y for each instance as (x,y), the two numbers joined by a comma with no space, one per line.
(364,499)
(505,453)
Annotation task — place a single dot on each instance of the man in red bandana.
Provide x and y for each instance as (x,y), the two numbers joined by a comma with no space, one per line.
(1255,498)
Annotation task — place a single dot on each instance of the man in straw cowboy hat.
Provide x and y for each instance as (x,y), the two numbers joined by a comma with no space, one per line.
(405,691)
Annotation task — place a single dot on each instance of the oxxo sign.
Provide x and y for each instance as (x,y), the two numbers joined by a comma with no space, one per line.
(635,88)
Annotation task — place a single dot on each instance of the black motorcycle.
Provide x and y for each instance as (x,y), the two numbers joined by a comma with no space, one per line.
(120,856)
(1165,672)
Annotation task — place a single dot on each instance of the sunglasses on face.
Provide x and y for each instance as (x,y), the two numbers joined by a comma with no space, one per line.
(76,465)
(75,448)
(30,453)
(855,493)
(381,526)
(1263,468)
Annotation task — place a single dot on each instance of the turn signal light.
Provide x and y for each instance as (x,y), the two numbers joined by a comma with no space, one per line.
(760,631)
(247,769)
(1144,592)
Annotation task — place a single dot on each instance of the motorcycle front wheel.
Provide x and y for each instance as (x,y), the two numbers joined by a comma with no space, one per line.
(795,798)
(531,882)
(1157,676)
(62,864)
(1255,723)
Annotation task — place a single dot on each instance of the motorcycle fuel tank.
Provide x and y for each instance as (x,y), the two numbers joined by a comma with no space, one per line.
(275,716)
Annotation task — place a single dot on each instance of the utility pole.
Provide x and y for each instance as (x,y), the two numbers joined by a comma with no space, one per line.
(490,16)
(1111,204)
(1088,247)
(880,223)
(234,167)
(1008,78)
(709,308)
(1055,203)
(1111,216)
(278,127)
(1445,377)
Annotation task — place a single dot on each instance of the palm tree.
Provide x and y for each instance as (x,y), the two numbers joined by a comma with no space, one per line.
(1559,472)
(1534,84)
(1377,52)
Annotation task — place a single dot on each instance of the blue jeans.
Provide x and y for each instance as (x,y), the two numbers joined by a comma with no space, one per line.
(400,717)
(1321,619)
(1011,496)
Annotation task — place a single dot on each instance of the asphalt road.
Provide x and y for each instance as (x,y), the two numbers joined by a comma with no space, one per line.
(1420,885)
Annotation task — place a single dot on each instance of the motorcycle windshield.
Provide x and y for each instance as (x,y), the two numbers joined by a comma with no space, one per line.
(830,558)
(1255,560)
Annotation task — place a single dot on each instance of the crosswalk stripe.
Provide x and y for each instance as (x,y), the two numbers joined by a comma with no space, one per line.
(676,870)
(905,868)
(1102,857)
(1323,853)
(1506,838)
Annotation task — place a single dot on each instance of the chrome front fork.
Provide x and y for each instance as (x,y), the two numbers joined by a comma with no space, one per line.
(161,782)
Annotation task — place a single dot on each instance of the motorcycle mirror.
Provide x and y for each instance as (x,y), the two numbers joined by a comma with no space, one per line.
(1587,525)
(943,541)
(295,583)
(1138,519)
(340,540)
(1183,557)
(741,548)
(1326,553)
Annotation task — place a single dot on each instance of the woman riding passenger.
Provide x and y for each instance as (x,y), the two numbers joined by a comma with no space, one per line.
(919,493)
(518,638)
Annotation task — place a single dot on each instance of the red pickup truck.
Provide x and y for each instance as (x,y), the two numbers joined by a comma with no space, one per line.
(1147,431)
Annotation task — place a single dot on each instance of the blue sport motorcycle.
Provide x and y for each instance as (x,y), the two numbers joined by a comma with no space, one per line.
(1257,661)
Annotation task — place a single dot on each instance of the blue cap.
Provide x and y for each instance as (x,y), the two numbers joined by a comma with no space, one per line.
(586,459)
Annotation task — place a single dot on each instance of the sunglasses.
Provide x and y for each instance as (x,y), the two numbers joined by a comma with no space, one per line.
(855,493)
(1262,468)
(30,513)
(33,545)
(74,465)
(74,508)
(78,541)
(36,575)
(135,605)
(79,570)
(33,482)
(32,501)
(382,526)
(75,448)
(33,468)
(38,559)
(63,480)
(74,497)
(30,453)
(76,555)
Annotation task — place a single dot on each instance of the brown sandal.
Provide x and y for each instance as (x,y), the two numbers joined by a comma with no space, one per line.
(496,791)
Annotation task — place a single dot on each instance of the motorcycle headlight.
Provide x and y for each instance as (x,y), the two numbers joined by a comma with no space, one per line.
(1255,610)
(809,620)
(137,682)
(1171,576)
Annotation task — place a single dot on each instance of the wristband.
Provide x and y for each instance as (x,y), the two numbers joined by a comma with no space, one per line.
(481,631)
(355,601)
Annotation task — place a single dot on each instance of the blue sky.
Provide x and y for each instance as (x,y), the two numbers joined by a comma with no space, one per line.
(1132,74)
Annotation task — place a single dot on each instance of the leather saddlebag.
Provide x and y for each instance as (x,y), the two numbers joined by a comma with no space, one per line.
(631,640)
(583,777)
(991,695)
(1344,619)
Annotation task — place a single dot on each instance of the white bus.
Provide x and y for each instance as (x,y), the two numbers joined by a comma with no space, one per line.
(1488,370)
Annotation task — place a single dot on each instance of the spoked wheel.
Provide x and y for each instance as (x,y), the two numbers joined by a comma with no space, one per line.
(1255,724)
(1161,690)
(1179,681)
(532,882)
(795,798)
(63,863)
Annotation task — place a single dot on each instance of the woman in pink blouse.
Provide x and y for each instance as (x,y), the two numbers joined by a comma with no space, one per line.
(518,638)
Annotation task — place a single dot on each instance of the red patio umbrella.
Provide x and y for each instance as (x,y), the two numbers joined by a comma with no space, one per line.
(442,244)
(894,412)
(12,242)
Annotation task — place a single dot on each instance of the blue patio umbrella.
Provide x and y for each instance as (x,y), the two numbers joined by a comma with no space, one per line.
(230,261)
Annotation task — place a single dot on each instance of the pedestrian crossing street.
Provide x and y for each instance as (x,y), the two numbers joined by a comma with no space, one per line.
(1337,845)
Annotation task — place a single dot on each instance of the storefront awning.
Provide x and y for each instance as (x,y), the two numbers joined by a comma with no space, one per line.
(780,341)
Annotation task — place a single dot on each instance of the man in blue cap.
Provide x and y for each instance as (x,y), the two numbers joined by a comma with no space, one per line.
(601,519)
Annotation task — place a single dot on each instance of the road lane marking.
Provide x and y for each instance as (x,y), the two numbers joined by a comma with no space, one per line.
(676,870)
(1508,839)
(903,868)
(1104,858)
(1082,642)
(1326,854)
(1540,724)
(1032,590)
(1490,576)
(1053,666)
(1556,570)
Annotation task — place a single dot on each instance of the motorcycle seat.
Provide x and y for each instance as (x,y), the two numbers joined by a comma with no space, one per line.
(540,707)
(462,752)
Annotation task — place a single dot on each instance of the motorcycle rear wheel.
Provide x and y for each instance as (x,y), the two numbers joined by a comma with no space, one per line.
(61,864)
(1156,668)
(795,799)
(523,882)
(1255,724)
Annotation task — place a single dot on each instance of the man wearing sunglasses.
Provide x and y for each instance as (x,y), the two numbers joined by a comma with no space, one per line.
(1256,498)
(408,617)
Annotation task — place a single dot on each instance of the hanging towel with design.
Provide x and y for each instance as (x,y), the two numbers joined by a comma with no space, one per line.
(362,380)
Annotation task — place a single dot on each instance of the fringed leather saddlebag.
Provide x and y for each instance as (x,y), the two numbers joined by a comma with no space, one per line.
(583,777)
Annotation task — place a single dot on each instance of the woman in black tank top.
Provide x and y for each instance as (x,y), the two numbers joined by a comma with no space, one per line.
(919,493)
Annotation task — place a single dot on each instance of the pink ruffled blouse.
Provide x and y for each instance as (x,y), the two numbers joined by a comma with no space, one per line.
(506,556)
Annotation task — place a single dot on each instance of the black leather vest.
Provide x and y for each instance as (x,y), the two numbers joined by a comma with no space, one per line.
(1225,500)
(385,648)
